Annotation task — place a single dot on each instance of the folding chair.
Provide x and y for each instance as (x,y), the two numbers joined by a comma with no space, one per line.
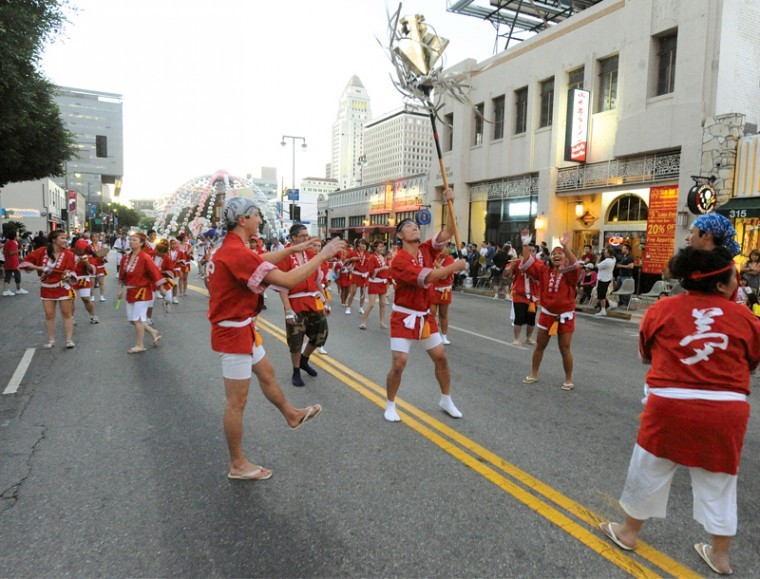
(659,288)
(627,288)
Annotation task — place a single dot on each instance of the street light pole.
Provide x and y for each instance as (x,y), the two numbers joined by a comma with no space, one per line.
(293,139)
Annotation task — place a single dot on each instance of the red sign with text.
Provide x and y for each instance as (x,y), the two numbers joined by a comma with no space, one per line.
(661,229)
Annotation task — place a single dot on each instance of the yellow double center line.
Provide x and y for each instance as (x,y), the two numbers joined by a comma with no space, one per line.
(530,491)
(437,432)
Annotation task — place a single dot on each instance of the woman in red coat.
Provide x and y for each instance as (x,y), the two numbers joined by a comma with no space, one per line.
(55,265)
(140,276)
(702,346)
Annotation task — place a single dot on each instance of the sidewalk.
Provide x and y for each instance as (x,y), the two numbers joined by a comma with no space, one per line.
(616,313)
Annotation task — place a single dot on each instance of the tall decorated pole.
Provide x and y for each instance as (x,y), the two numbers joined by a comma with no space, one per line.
(415,51)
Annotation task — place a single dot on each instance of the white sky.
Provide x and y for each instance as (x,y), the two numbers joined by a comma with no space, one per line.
(215,85)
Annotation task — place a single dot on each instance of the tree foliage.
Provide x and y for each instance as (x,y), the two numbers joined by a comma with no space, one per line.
(34,142)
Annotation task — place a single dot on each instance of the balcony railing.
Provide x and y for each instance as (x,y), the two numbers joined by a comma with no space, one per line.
(646,169)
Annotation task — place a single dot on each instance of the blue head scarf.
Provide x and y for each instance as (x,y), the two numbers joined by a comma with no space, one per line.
(721,229)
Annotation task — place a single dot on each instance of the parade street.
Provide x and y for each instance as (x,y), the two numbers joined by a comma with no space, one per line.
(114,465)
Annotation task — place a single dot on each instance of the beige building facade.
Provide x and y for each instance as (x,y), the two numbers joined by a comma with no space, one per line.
(665,90)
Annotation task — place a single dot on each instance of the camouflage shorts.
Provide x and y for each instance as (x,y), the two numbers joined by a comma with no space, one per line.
(313,325)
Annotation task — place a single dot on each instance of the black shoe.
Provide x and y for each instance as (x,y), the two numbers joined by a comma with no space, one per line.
(306,368)
(297,380)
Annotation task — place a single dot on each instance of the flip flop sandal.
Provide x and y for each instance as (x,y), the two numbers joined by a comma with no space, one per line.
(157,340)
(701,549)
(253,475)
(529,380)
(135,350)
(567,386)
(311,413)
(610,533)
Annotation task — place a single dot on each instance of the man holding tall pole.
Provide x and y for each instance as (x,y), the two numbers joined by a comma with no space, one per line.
(413,271)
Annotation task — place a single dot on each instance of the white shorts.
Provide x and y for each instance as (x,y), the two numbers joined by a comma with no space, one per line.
(84,292)
(138,311)
(647,487)
(157,298)
(404,344)
(240,366)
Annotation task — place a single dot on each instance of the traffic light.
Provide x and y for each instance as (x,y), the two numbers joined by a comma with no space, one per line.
(295,214)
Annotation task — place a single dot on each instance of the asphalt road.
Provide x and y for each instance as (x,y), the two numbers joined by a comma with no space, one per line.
(114,465)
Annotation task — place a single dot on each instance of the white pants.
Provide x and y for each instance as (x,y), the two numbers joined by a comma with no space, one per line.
(647,487)
(138,311)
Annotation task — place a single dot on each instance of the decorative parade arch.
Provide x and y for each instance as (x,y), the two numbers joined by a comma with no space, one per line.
(192,207)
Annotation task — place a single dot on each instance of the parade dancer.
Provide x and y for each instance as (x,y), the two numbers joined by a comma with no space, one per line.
(379,271)
(359,275)
(525,298)
(177,258)
(55,264)
(440,296)
(342,271)
(98,259)
(140,275)
(82,277)
(186,252)
(413,271)
(702,347)
(304,303)
(557,283)
(237,278)
(166,267)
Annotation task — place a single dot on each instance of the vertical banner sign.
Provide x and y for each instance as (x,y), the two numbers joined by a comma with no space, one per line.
(72,201)
(576,125)
(661,229)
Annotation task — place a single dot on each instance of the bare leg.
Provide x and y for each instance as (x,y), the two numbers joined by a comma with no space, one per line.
(88,306)
(443,318)
(567,356)
(49,307)
(362,296)
(529,334)
(139,334)
(393,380)
(236,392)
(517,330)
(442,372)
(351,294)
(381,300)
(538,353)
(102,285)
(67,312)
(271,389)
(370,305)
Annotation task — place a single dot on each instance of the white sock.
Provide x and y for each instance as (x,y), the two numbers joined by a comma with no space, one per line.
(390,412)
(448,406)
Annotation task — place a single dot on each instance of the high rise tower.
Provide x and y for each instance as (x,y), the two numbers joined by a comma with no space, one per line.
(347,138)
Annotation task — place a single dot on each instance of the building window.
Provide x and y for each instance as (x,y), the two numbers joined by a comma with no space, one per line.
(338,222)
(477,136)
(356,220)
(547,103)
(608,73)
(666,64)
(627,208)
(498,118)
(575,79)
(448,120)
(101,146)
(521,110)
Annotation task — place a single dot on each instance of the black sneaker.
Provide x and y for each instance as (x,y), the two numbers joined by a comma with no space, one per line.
(297,380)
(306,367)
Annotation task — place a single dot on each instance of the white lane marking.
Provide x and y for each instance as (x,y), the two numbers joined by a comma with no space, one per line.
(21,369)
(510,344)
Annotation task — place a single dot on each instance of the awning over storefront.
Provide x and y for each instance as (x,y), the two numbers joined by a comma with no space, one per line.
(740,208)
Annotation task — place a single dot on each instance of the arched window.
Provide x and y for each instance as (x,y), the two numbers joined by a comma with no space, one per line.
(628,207)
